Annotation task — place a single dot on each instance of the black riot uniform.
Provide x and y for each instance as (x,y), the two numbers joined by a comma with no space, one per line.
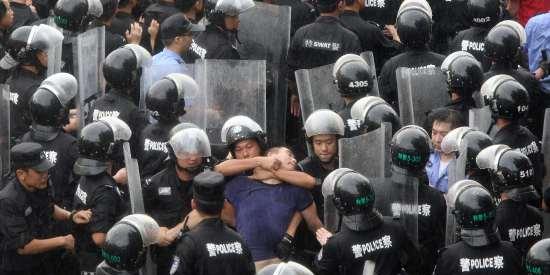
(410,149)
(302,13)
(49,108)
(320,122)
(166,102)
(512,175)
(122,22)
(365,235)
(22,84)
(480,251)
(24,215)
(167,198)
(382,12)
(216,43)
(96,189)
(371,37)
(211,247)
(22,15)
(414,29)
(321,43)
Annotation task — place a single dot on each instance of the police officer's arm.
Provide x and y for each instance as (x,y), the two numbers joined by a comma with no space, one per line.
(232,167)
(79,217)
(299,179)
(18,237)
(409,255)
(327,262)
(104,213)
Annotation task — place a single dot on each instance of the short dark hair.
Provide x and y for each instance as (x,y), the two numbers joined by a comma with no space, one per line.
(445,115)
(209,208)
(349,2)
(123,3)
(328,8)
(167,42)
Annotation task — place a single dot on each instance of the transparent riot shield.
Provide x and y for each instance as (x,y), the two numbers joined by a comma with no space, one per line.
(144,60)
(457,167)
(397,197)
(368,153)
(264,32)
(546,148)
(451,232)
(5,133)
(230,87)
(88,55)
(480,119)
(317,90)
(419,92)
(53,37)
(369,58)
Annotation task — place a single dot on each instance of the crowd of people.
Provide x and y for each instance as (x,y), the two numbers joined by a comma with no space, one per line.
(280,137)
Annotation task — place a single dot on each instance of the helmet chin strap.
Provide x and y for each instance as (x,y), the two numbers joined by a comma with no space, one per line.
(190,170)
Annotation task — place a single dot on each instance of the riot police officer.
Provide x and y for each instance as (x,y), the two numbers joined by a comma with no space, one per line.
(323,41)
(512,176)
(97,190)
(166,103)
(355,80)
(365,235)
(49,108)
(370,35)
(219,40)
(29,54)
(464,78)
(122,71)
(323,129)
(480,251)
(126,245)
(537,261)
(484,15)
(503,46)
(509,103)
(372,112)
(211,247)
(167,195)
(26,212)
(414,25)
(410,150)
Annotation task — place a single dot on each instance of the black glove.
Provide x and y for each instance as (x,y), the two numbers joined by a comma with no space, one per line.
(285,248)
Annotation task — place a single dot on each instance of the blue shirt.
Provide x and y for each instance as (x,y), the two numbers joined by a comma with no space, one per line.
(538,38)
(167,62)
(439,182)
(263,212)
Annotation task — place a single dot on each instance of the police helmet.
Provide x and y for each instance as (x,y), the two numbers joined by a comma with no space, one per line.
(288,268)
(473,140)
(410,148)
(512,172)
(165,99)
(75,15)
(239,128)
(126,243)
(464,73)
(122,67)
(506,97)
(353,76)
(414,27)
(502,43)
(49,105)
(484,13)
(537,261)
(372,111)
(324,122)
